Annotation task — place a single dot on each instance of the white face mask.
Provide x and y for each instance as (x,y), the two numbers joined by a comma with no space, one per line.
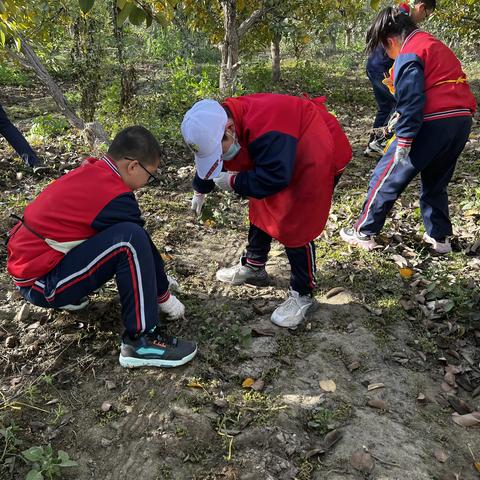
(232,150)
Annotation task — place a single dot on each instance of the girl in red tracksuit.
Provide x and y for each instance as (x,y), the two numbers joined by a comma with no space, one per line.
(435,107)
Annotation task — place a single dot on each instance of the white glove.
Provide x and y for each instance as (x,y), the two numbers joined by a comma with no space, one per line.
(225,181)
(198,200)
(173,308)
(401,155)
(173,284)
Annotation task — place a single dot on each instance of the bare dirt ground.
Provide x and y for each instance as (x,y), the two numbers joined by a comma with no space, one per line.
(396,351)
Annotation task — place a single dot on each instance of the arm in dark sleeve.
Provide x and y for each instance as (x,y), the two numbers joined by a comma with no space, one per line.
(202,186)
(123,208)
(274,157)
(410,96)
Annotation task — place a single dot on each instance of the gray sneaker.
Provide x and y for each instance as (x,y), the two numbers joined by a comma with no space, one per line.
(240,274)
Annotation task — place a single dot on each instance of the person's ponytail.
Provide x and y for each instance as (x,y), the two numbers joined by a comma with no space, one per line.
(390,22)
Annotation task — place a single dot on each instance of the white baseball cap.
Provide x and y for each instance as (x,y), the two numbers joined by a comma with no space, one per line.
(203,128)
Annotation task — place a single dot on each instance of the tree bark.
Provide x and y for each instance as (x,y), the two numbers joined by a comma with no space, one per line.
(229,47)
(275,52)
(127,75)
(94,129)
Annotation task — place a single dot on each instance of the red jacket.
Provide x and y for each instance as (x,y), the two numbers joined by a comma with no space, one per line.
(292,149)
(70,210)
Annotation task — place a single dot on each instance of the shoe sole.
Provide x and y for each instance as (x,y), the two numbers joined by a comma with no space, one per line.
(132,362)
(356,242)
(312,309)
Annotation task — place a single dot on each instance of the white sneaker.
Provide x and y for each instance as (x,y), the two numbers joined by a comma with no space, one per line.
(437,246)
(352,237)
(240,274)
(75,307)
(293,311)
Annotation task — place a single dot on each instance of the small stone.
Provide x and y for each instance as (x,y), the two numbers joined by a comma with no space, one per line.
(110,385)
(11,341)
(23,314)
(105,442)
(19,175)
(128,409)
(106,406)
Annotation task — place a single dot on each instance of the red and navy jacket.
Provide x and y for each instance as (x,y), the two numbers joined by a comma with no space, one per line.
(292,150)
(70,210)
(429,85)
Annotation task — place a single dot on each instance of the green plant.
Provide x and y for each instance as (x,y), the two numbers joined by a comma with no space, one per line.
(11,76)
(44,462)
(48,126)
(8,437)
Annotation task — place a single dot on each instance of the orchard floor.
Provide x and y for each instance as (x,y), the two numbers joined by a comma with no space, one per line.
(61,383)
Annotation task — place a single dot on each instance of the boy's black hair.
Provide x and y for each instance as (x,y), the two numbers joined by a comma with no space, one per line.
(136,143)
(390,22)
(429,4)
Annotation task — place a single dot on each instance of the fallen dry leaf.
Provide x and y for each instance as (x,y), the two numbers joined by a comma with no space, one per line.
(258,385)
(450,379)
(406,272)
(353,366)
(441,455)
(248,382)
(334,291)
(461,407)
(106,406)
(375,386)
(328,385)
(195,384)
(377,403)
(330,439)
(477,466)
(421,398)
(362,461)
(468,420)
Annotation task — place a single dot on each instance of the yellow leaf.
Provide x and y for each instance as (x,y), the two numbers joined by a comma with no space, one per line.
(166,257)
(195,384)
(248,382)
(406,272)
(209,223)
(328,385)
(477,466)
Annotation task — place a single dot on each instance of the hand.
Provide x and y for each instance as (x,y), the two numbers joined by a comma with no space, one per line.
(173,308)
(225,181)
(198,200)
(401,154)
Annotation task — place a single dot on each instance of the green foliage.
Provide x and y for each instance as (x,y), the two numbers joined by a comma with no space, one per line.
(48,126)
(9,443)
(45,463)
(12,76)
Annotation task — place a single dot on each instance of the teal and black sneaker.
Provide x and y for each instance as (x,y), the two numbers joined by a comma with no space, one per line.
(155,349)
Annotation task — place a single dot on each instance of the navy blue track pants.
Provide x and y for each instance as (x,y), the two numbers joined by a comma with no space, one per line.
(385,100)
(302,259)
(15,138)
(124,251)
(434,154)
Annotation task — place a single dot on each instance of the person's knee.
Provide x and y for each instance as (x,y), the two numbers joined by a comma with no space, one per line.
(131,232)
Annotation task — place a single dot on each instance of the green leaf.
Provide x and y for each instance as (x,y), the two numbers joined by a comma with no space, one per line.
(65,460)
(121,4)
(86,5)
(33,454)
(34,475)
(137,16)
(2,7)
(375,4)
(124,13)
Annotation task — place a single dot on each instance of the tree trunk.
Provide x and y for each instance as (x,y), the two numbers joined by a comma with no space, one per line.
(127,75)
(94,129)
(229,48)
(348,36)
(275,52)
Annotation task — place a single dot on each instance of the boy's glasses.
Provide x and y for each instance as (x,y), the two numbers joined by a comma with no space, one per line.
(151,177)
